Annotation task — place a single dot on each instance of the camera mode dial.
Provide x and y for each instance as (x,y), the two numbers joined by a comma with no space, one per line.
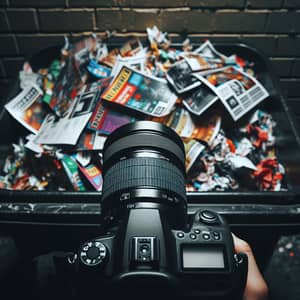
(92,253)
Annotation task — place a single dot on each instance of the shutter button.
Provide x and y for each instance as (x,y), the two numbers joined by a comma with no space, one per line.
(208,217)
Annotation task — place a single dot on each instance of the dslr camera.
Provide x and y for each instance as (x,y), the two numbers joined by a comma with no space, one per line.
(150,245)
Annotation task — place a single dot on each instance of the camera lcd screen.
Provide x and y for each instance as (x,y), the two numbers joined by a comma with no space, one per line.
(199,256)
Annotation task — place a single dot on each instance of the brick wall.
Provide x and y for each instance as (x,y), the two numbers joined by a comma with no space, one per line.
(272,26)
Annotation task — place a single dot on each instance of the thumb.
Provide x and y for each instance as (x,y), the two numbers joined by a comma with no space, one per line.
(256,287)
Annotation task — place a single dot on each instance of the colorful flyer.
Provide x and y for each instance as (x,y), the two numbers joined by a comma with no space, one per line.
(71,169)
(93,174)
(97,70)
(141,92)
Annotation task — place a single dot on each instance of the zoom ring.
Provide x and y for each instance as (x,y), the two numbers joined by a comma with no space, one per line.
(143,172)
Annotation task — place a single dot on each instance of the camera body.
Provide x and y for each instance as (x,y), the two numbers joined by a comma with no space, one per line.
(146,255)
(150,245)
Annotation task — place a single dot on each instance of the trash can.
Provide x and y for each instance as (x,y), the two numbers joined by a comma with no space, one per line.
(259,217)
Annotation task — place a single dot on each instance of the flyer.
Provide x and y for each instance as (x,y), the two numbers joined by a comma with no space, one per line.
(238,91)
(141,92)
(27,108)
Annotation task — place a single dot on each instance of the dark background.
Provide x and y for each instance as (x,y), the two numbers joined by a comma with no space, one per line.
(272,26)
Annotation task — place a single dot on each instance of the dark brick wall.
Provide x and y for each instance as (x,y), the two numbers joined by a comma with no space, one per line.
(272,26)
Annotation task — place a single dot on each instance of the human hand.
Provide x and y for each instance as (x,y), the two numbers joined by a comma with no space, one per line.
(256,287)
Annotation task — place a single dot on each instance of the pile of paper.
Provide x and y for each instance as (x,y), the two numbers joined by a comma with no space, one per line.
(91,90)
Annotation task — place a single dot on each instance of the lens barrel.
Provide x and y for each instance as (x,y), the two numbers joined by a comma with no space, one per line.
(144,165)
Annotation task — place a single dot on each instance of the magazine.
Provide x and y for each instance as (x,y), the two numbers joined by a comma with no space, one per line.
(105,120)
(141,92)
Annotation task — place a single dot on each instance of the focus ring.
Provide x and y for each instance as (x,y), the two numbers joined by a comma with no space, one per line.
(143,172)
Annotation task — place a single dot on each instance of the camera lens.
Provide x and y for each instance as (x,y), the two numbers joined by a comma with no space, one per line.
(144,164)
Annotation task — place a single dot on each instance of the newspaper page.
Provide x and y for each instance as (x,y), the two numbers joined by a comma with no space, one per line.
(68,129)
(205,57)
(141,92)
(192,151)
(238,91)
(27,108)
(61,131)
(32,146)
(181,78)
(200,100)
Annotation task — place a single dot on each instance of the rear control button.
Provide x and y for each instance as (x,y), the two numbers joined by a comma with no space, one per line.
(180,235)
(197,231)
(206,236)
(193,236)
(216,235)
